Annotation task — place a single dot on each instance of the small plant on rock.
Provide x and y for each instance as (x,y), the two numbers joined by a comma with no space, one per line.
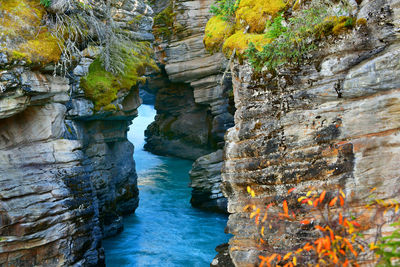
(327,230)
(45,3)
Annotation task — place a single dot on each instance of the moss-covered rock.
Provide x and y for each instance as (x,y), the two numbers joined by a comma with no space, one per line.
(220,31)
(102,87)
(256,13)
(274,32)
(240,41)
(216,32)
(24,34)
(164,23)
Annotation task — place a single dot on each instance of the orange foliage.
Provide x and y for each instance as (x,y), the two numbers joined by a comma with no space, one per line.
(339,241)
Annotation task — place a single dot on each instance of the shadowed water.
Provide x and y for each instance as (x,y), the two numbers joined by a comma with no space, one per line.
(165,230)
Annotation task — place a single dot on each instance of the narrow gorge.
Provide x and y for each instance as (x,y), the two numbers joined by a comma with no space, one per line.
(260,107)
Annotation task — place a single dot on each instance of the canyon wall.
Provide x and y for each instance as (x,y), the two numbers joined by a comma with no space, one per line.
(192,101)
(332,122)
(67,174)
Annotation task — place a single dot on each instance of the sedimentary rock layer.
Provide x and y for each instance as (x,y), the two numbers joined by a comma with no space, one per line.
(193,108)
(67,175)
(333,122)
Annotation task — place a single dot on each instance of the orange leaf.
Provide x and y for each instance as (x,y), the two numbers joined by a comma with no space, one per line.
(305,200)
(320,228)
(316,203)
(287,256)
(335,259)
(333,201)
(308,248)
(263,260)
(372,190)
(322,196)
(285,208)
(319,247)
(305,222)
(350,246)
(340,218)
(327,243)
(341,201)
(355,223)
(331,234)
(291,190)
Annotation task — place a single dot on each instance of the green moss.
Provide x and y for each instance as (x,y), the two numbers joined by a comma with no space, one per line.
(43,50)
(276,34)
(256,13)
(216,32)
(110,107)
(338,25)
(17,55)
(30,40)
(102,87)
(241,41)
(164,23)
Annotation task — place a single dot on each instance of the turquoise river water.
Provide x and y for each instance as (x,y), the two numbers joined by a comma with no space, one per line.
(165,230)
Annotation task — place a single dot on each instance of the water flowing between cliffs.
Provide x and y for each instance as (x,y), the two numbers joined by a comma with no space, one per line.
(165,230)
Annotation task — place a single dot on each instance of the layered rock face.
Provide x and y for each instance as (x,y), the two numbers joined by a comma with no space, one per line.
(67,174)
(206,181)
(193,109)
(334,122)
(49,211)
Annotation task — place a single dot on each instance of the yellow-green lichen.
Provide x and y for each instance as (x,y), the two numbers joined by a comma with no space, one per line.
(28,39)
(334,25)
(110,107)
(44,49)
(216,32)
(361,21)
(102,87)
(269,33)
(255,13)
(241,41)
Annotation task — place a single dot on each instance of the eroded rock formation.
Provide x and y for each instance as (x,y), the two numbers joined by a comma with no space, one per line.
(66,172)
(334,121)
(193,108)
